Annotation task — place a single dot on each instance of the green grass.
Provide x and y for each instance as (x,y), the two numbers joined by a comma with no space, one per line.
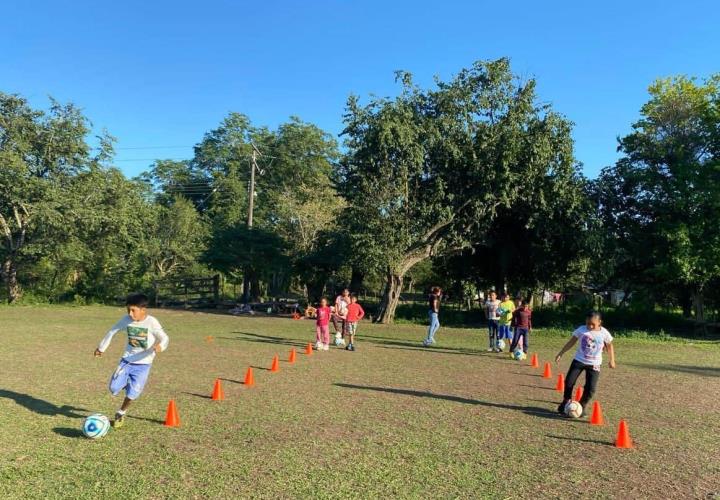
(390,420)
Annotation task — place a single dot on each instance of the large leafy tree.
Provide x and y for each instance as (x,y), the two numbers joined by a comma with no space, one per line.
(40,154)
(660,203)
(427,171)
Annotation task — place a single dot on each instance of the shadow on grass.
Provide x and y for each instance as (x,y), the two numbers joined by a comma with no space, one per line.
(528,410)
(536,387)
(406,346)
(582,440)
(703,371)
(527,374)
(204,396)
(68,432)
(152,420)
(241,382)
(265,339)
(40,406)
(260,368)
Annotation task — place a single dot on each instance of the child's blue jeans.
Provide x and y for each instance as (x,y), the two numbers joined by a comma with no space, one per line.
(434,325)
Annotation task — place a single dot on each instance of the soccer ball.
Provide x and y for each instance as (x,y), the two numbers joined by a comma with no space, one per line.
(500,344)
(518,355)
(573,409)
(339,342)
(95,426)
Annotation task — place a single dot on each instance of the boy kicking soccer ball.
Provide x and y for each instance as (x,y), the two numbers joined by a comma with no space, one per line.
(145,338)
(593,339)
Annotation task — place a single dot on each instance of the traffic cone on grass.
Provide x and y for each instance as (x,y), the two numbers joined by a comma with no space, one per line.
(534,361)
(560,386)
(308,349)
(275,367)
(291,359)
(172,419)
(623,439)
(218,394)
(597,417)
(249,378)
(547,373)
(578,393)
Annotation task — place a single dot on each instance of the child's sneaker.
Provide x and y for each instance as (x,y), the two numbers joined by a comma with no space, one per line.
(352,347)
(119,420)
(326,347)
(489,349)
(318,346)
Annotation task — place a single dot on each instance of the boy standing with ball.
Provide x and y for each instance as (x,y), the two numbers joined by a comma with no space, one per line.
(145,338)
(593,338)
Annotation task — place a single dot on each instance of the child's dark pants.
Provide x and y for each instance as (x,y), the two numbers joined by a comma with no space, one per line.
(591,380)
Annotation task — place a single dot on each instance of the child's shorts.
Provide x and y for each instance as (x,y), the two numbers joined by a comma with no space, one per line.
(505,332)
(131,377)
(351,327)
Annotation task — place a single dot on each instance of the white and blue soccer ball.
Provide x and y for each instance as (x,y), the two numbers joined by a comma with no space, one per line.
(573,409)
(96,426)
(518,355)
(339,342)
(500,344)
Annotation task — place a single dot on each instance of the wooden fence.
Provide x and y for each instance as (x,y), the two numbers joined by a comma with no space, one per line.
(187,292)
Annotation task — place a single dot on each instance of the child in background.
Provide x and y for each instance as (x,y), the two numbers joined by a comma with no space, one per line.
(355,313)
(522,321)
(145,338)
(505,311)
(491,314)
(339,316)
(593,339)
(322,326)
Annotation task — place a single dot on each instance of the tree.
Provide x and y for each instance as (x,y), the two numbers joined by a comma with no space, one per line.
(178,238)
(40,152)
(661,201)
(427,172)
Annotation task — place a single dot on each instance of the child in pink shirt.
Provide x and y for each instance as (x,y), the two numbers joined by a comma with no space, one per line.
(322,327)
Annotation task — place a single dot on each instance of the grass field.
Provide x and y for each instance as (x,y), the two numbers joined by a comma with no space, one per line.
(389,420)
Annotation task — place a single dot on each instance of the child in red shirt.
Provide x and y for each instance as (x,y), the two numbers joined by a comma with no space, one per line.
(322,327)
(355,313)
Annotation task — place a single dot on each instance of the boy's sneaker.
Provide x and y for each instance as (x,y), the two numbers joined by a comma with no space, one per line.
(561,408)
(490,349)
(352,347)
(318,346)
(347,347)
(119,420)
(326,347)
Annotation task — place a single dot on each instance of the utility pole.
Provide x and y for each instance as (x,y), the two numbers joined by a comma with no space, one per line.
(251,208)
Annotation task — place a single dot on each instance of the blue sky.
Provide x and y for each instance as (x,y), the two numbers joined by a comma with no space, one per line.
(159,74)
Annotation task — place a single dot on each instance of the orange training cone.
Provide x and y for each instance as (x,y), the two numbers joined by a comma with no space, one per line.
(547,373)
(597,417)
(275,367)
(171,417)
(218,394)
(560,387)
(249,379)
(291,359)
(623,439)
(578,393)
(308,349)
(534,361)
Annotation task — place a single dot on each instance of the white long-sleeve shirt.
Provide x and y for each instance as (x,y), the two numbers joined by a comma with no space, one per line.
(142,337)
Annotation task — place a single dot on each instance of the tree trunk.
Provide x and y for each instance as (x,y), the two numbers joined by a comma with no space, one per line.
(391,296)
(9,276)
(356,281)
(698,305)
